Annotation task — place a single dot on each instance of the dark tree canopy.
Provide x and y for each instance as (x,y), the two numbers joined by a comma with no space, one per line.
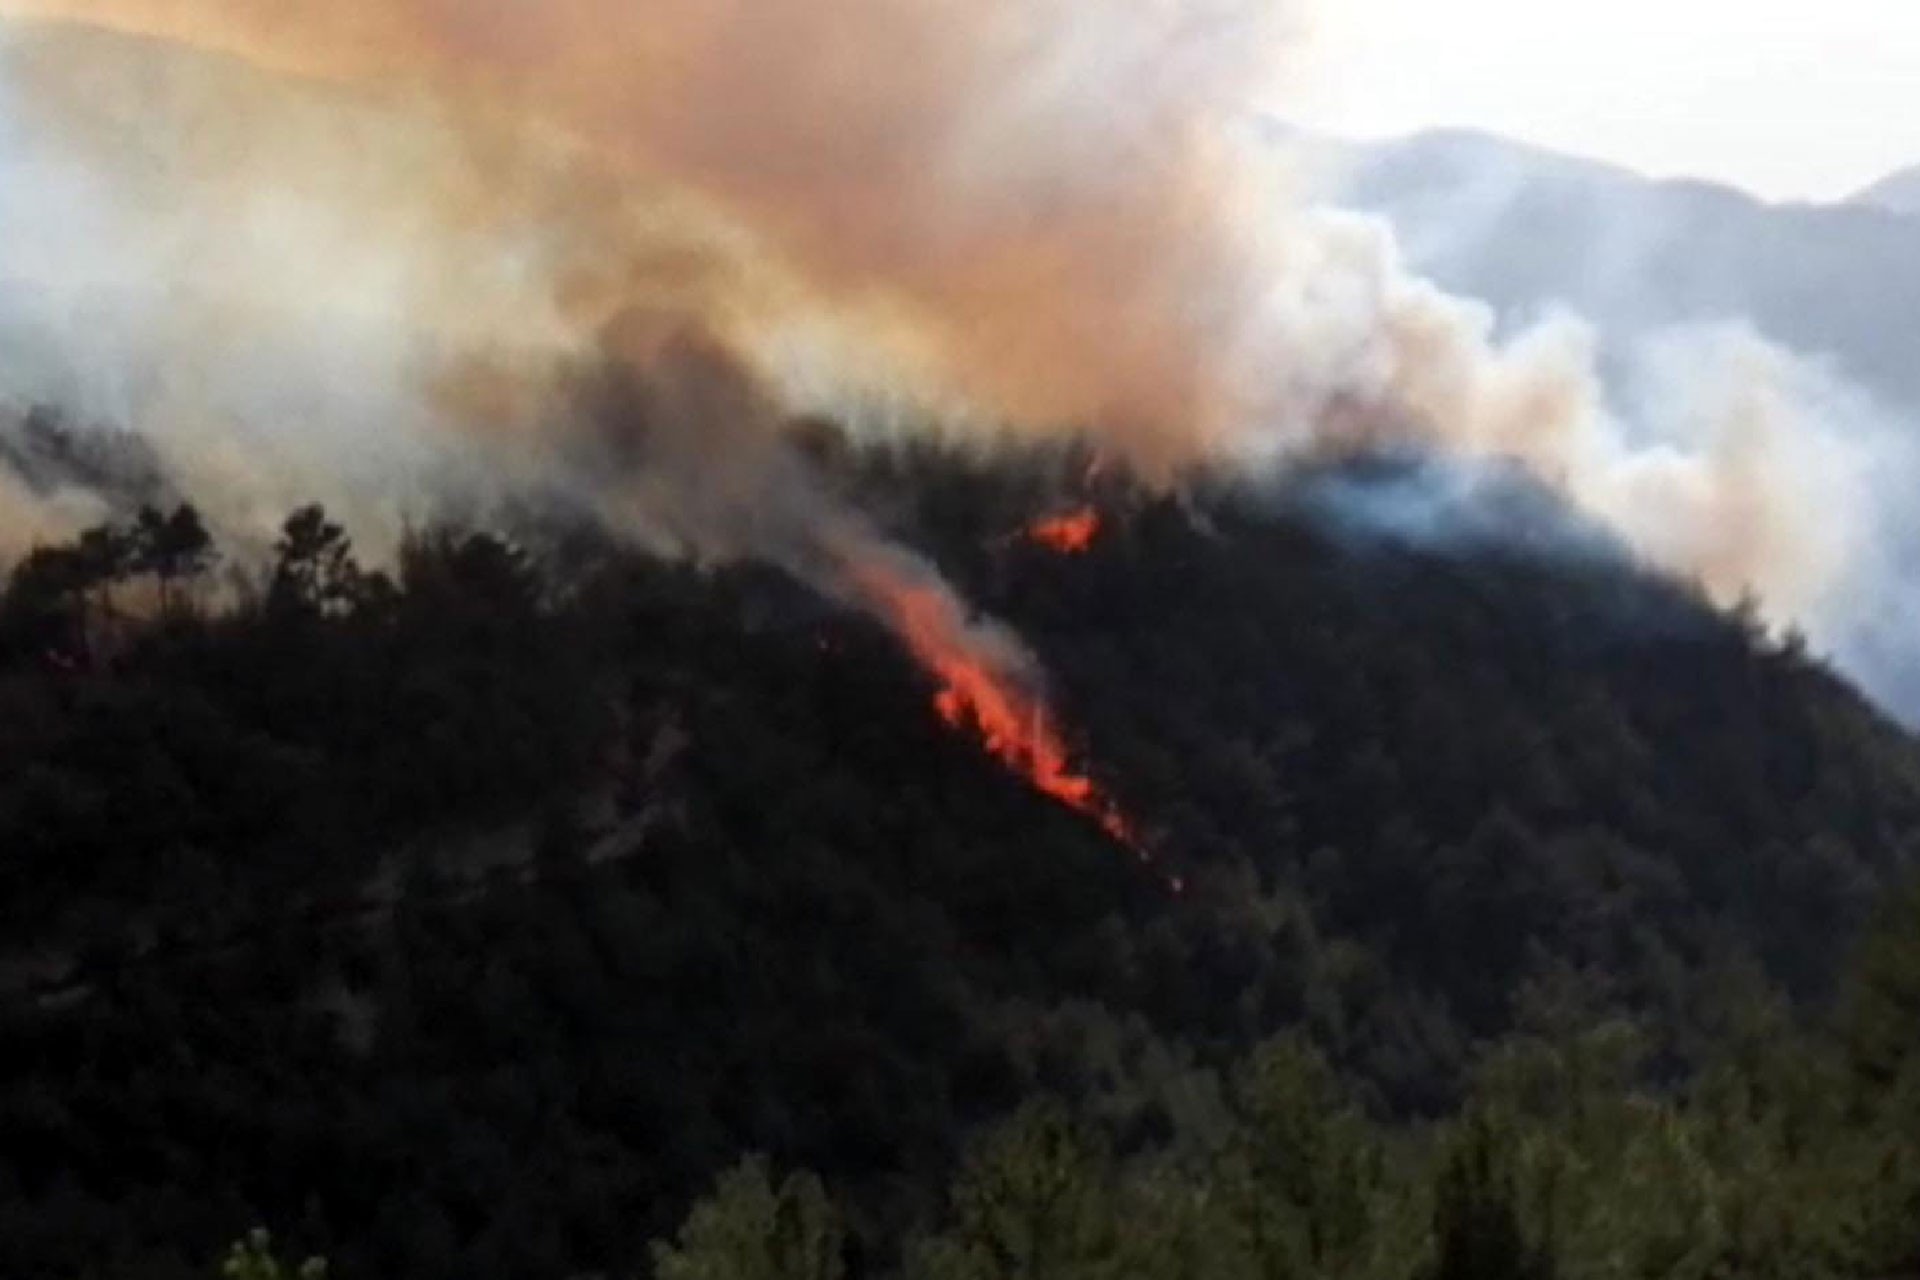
(172,547)
(476,918)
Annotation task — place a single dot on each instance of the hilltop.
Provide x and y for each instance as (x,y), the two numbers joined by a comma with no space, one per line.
(1898,192)
(467,917)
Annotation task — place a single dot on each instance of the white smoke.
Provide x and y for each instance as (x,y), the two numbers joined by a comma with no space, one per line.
(1050,216)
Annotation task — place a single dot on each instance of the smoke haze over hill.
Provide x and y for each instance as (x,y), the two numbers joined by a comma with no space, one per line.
(372,252)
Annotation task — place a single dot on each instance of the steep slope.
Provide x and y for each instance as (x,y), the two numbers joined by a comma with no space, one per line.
(1403,797)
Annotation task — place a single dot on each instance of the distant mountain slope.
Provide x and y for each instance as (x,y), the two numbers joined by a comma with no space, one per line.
(1898,192)
(1525,229)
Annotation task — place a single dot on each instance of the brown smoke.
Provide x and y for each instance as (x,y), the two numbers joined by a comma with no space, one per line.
(1033,212)
(1031,190)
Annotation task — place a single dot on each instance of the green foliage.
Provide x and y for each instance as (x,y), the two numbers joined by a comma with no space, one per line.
(750,1230)
(1032,1203)
(464,921)
(1476,1223)
(1880,1028)
(253,1258)
(1300,1183)
(1882,1009)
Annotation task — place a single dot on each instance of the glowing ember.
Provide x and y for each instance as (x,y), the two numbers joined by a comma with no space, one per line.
(983,689)
(1068,534)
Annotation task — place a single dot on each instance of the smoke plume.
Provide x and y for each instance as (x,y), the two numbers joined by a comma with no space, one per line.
(342,249)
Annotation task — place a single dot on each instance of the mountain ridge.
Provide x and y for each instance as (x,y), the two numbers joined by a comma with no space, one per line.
(1529,230)
(1898,192)
(1414,795)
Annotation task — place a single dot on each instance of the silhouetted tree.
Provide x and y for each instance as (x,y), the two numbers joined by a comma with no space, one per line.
(46,603)
(172,547)
(314,570)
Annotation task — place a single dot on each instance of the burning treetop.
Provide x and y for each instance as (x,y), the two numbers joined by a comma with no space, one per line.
(1070,533)
(986,686)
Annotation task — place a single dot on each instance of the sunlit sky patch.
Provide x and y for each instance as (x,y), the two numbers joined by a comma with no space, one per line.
(1791,99)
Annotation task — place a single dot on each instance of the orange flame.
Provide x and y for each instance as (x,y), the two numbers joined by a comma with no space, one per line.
(985,692)
(1069,534)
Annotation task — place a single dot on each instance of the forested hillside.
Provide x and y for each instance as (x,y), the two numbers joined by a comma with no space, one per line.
(1492,908)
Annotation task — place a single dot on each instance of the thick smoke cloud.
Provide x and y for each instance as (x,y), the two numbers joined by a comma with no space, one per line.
(396,239)
(1026,196)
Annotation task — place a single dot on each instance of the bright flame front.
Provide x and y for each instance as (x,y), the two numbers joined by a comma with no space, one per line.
(1069,534)
(984,692)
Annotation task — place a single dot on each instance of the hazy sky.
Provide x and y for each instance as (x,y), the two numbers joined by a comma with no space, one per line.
(1788,98)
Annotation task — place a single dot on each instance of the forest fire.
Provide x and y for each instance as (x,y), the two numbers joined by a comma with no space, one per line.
(983,690)
(1069,534)
(1017,730)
